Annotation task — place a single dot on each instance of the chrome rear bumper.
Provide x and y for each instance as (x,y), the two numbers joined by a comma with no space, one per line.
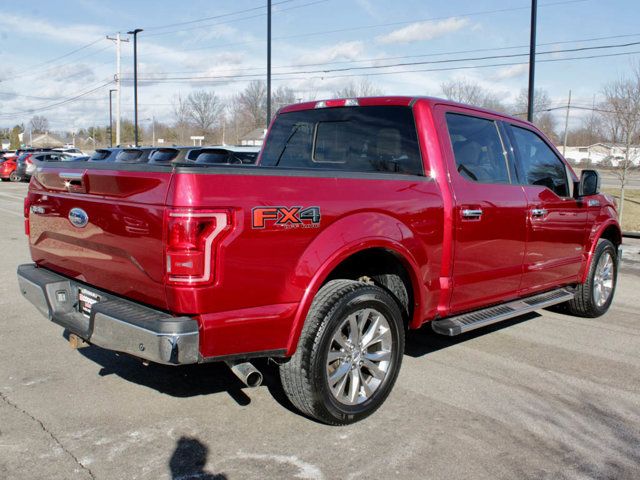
(114,322)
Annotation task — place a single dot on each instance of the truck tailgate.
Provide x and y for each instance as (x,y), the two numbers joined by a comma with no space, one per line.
(102,226)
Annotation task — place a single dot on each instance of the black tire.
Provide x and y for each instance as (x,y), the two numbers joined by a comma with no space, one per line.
(304,376)
(584,304)
(14,177)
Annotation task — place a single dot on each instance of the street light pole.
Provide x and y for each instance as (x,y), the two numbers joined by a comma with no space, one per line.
(135,83)
(111,118)
(532,59)
(268,62)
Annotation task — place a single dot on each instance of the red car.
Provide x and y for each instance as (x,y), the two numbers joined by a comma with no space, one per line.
(7,168)
(363,219)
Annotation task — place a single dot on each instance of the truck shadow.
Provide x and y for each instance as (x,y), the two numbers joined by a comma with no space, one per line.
(213,378)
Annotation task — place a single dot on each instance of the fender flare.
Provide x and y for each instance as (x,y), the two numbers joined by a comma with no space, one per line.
(374,230)
(594,236)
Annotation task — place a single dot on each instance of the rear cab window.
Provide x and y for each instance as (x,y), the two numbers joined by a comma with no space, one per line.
(351,139)
(99,155)
(129,156)
(163,155)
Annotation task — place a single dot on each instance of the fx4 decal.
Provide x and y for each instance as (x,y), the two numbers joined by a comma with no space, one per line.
(287,217)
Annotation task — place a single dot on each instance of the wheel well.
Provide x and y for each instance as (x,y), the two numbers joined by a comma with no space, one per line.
(612,234)
(383,268)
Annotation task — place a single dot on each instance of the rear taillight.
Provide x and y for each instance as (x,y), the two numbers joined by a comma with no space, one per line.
(27,208)
(192,239)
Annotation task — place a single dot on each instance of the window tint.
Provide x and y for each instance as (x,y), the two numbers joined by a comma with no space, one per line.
(164,155)
(100,155)
(540,165)
(129,156)
(477,149)
(355,139)
(214,156)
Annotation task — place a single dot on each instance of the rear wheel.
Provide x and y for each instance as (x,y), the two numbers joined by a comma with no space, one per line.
(593,297)
(349,354)
(14,177)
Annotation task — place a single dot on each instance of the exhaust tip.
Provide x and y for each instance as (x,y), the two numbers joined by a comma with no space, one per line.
(247,373)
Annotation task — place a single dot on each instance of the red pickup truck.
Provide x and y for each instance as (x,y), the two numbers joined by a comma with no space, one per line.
(363,219)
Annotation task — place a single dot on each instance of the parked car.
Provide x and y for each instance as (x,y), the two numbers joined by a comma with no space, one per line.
(134,155)
(28,162)
(363,219)
(72,151)
(228,155)
(8,168)
(105,154)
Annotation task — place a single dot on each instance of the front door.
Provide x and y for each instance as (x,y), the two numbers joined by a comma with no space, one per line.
(490,214)
(556,221)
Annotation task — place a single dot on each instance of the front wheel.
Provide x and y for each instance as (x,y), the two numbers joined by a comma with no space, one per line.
(14,177)
(349,354)
(593,297)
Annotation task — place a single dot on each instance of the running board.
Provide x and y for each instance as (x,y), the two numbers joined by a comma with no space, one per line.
(480,318)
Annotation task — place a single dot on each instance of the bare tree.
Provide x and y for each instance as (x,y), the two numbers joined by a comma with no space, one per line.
(252,105)
(281,97)
(541,115)
(206,110)
(471,93)
(39,124)
(363,88)
(622,116)
(182,115)
(589,132)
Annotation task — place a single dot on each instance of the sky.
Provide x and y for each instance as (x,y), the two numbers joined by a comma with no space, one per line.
(55,59)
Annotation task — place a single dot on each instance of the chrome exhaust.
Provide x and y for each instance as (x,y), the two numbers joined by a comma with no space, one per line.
(247,373)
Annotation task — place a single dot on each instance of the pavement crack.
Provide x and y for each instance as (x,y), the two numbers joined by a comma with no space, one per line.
(6,400)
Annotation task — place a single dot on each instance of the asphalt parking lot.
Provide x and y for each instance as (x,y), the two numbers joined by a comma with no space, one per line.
(542,396)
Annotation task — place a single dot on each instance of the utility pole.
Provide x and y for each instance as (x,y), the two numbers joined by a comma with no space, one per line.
(566,125)
(111,119)
(135,83)
(268,62)
(117,39)
(532,59)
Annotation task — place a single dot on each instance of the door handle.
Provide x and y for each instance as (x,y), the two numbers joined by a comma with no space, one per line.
(471,213)
(538,212)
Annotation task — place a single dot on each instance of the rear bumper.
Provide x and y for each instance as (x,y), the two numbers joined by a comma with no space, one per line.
(114,323)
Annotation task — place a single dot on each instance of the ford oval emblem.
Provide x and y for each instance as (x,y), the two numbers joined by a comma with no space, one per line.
(78,217)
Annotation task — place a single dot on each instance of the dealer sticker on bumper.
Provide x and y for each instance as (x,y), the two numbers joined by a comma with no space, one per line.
(86,299)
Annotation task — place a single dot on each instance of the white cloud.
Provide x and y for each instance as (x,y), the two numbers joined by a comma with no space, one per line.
(340,51)
(37,28)
(510,72)
(424,31)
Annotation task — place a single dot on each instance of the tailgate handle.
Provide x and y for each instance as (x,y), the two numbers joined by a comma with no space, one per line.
(74,181)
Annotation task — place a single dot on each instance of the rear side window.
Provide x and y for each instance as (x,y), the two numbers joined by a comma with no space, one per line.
(164,155)
(478,149)
(214,156)
(100,155)
(540,165)
(129,156)
(193,154)
(355,139)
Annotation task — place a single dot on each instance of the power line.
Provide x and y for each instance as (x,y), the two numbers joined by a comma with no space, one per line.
(54,105)
(204,19)
(405,64)
(65,55)
(390,24)
(315,2)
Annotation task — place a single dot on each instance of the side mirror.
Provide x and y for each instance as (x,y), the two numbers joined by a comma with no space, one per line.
(589,183)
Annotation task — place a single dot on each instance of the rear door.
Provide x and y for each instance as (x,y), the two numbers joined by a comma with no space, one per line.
(489,212)
(556,221)
(102,226)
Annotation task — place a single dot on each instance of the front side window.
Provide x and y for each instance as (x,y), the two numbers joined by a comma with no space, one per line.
(477,148)
(540,166)
(354,139)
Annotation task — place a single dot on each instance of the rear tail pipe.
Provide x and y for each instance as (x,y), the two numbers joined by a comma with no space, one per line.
(247,373)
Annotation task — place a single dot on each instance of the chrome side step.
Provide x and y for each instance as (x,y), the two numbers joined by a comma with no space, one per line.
(480,318)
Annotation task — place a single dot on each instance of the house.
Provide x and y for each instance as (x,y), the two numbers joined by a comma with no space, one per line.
(46,140)
(604,154)
(253,138)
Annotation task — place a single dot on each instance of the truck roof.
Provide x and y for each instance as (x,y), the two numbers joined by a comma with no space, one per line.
(400,101)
